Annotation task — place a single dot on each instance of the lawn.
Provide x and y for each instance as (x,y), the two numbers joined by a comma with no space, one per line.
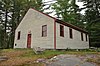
(26,57)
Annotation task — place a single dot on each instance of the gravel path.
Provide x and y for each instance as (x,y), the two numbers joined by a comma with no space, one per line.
(68,60)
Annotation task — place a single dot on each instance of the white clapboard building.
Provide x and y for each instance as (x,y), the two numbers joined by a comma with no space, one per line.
(38,29)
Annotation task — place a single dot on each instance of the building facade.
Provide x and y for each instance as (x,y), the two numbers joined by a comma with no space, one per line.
(41,30)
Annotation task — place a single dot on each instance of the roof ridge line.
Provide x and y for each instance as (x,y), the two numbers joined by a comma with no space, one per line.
(63,22)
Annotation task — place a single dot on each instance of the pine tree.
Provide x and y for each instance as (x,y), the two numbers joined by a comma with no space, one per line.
(92,19)
(68,11)
(11,14)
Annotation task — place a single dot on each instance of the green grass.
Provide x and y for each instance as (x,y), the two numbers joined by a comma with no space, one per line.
(97,60)
(22,56)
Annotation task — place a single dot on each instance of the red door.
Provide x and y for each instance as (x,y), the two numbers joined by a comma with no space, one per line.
(29,41)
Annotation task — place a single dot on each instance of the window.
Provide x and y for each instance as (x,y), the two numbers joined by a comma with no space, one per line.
(62,30)
(70,33)
(15,44)
(79,0)
(82,36)
(86,36)
(44,30)
(18,38)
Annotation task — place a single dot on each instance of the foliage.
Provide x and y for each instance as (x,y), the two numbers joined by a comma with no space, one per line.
(68,11)
(11,13)
(1,37)
(92,19)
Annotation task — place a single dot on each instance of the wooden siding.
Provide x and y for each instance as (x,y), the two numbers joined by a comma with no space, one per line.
(66,42)
(33,22)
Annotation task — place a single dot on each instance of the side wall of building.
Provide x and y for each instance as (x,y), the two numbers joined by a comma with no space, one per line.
(66,42)
(32,23)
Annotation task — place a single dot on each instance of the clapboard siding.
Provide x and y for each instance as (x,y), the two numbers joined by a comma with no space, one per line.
(66,42)
(33,22)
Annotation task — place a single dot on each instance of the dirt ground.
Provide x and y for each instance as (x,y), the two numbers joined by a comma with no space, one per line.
(26,57)
(75,60)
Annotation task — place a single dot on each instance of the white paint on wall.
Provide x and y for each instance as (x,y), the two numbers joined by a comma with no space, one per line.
(33,21)
(66,42)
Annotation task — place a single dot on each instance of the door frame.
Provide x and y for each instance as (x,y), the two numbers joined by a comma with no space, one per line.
(29,38)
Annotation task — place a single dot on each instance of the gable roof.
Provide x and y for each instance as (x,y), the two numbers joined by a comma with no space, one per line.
(62,22)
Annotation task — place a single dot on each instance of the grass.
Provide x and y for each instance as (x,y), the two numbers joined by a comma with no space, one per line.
(94,60)
(26,57)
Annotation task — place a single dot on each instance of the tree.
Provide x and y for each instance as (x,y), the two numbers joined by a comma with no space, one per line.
(67,11)
(11,13)
(92,19)
(5,8)
(1,37)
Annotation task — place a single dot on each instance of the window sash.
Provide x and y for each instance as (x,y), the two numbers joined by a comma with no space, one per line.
(82,37)
(86,36)
(18,37)
(44,30)
(62,30)
(70,33)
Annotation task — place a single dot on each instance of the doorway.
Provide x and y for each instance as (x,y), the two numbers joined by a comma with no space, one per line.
(29,41)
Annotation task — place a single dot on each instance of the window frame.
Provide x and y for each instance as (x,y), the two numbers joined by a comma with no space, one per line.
(18,35)
(44,30)
(61,30)
(82,37)
(86,37)
(71,33)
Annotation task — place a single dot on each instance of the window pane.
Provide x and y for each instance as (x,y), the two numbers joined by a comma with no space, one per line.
(44,30)
(86,36)
(70,33)
(61,30)
(18,35)
(82,36)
